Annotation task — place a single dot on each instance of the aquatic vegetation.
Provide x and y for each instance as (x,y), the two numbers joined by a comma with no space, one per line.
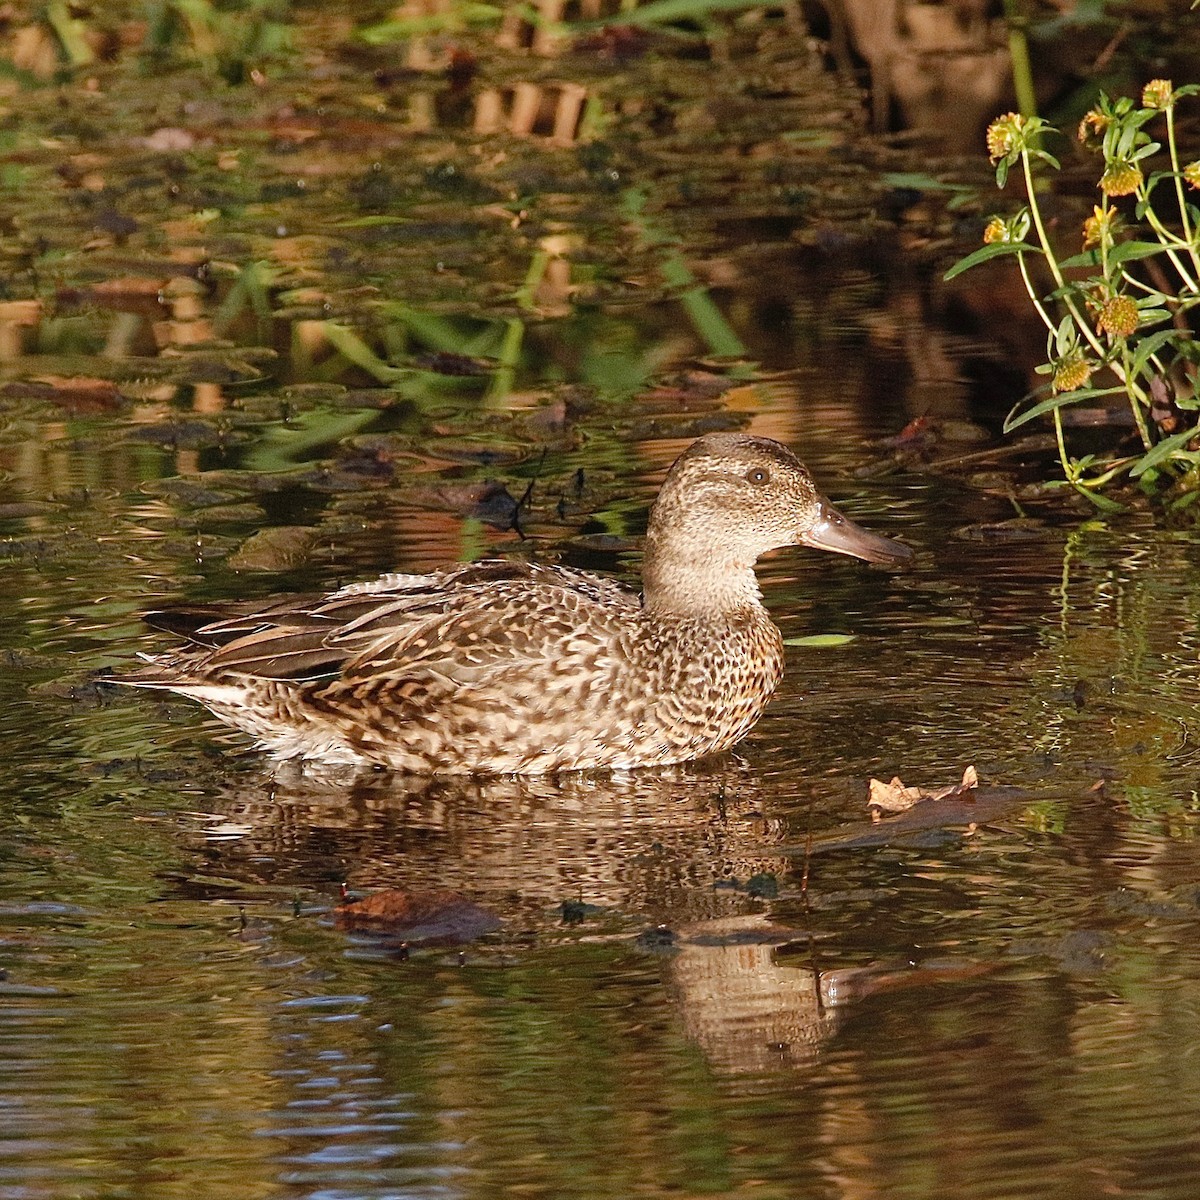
(1117,315)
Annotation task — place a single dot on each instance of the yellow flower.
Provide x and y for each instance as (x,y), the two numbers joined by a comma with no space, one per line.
(995,231)
(1191,173)
(1098,226)
(1005,136)
(1118,317)
(1121,178)
(1158,93)
(1072,373)
(1094,122)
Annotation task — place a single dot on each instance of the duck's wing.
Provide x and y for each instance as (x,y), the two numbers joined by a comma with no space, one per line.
(460,619)
(494,632)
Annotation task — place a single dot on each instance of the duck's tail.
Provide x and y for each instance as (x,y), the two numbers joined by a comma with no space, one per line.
(165,675)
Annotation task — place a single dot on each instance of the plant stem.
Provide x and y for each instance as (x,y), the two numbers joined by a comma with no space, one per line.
(1167,238)
(1135,392)
(1052,262)
(1138,416)
(1185,221)
(1037,303)
(1018,52)
(1068,470)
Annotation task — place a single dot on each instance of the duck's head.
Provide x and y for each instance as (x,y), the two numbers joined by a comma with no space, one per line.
(728,499)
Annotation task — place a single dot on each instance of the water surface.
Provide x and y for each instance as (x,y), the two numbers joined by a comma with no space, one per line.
(720,979)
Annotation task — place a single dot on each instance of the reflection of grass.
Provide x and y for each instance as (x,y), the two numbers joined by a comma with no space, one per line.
(280,447)
(251,290)
(228,39)
(454,18)
(706,318)
(1115,684)
(668,12)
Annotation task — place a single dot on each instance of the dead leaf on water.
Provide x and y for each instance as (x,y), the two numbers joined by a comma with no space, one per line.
(434,916)
(79,393)
(894,797)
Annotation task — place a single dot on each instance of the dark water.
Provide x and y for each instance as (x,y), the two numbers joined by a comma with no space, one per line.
(752,990)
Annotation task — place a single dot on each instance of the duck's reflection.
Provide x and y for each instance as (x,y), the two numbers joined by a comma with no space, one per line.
(669,848)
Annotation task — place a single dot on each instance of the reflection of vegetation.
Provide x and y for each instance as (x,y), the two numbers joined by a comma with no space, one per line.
(251,290)
(704,315)
(452,18)
(1125,301)
(667,12)
(229,38)
(1115,680)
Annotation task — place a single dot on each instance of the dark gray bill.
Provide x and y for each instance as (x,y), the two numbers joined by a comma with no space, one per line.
(834,532)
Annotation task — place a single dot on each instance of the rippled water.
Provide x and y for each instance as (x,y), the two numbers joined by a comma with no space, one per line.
(998,1010)
(721,979)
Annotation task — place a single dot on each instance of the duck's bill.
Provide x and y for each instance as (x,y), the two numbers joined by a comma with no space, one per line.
(835,532)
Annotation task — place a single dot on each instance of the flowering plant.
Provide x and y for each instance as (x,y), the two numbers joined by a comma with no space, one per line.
(1117,316)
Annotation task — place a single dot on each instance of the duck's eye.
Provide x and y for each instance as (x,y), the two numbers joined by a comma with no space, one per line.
(759,475)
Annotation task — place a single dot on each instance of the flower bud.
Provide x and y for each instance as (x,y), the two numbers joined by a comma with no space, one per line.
(1118,317)
(1072,372)
(1121,178)
(1006,136)
(996,230)
(1158,93)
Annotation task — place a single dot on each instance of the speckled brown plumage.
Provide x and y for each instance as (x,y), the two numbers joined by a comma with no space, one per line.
(514,667)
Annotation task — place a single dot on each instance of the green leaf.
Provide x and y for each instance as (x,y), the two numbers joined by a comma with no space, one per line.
(352,348)
(984,253)
(820,641)
(1012,422)
(370,222)
(1103,503)
(1089,258)
(1066,336)
(459,16)
(659,12)
(1184,501)
(1129,251)
(1151,345)
(1152,316)
(1163,451)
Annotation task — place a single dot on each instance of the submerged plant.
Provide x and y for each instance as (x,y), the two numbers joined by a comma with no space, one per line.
(1117,315)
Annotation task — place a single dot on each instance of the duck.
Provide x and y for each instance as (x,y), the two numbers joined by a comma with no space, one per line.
(522,667)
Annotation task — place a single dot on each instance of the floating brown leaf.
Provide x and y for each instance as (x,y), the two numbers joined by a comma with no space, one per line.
(435,916)
(80,393)
(895,797)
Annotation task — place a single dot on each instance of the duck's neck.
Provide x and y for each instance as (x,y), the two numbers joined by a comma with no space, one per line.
(683,581)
